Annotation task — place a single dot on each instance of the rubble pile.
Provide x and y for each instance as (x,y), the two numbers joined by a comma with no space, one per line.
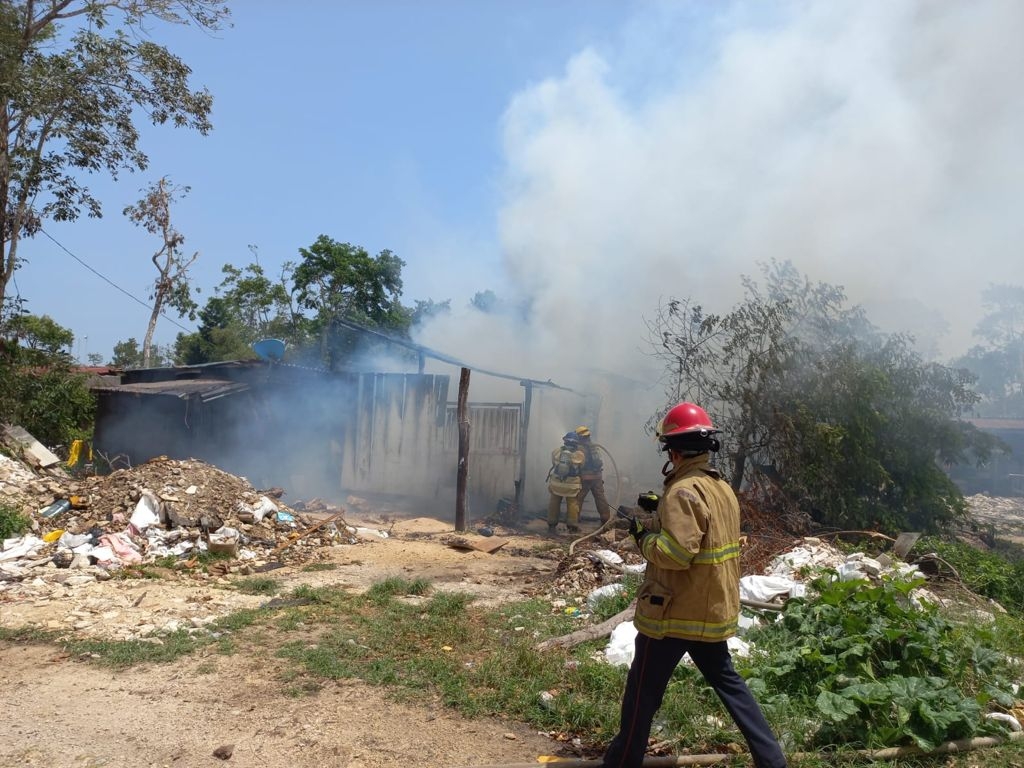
(164,508)
(187,521)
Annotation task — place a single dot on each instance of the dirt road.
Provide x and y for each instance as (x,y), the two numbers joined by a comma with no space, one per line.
(68,713)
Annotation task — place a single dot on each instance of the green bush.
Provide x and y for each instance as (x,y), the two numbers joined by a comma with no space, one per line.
(12,522)
(984,573)
(52,403)
(872,669)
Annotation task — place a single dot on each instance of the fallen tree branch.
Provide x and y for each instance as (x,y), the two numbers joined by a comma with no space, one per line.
(588,633)
(605,627)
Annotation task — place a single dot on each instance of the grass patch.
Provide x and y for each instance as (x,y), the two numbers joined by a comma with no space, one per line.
(258,585)
(27,635)
(383,591)
(120,654)
(314,567)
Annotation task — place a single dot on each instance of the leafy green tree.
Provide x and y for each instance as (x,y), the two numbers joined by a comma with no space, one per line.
(341,282)
(38,388)
(42,337)
(248,307)
(128,354)
(820,412)
(485,301)
(72,97)
(998,361)
(221,336)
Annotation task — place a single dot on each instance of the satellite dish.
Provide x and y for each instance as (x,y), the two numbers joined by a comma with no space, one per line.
(269,349)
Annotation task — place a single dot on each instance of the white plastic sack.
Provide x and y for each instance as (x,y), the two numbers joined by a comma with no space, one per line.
(147,512)
(15,549)
(372,532)
(1010,721)
(608,590)
(224,534)
(738,647)
(263,508)
(72,540)
(764,588)
(103,554)
(607,556)
(621,645)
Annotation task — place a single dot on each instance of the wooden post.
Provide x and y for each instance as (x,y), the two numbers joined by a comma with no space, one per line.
(463,473)
(524,431)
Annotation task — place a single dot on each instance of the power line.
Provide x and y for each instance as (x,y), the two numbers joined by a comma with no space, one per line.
(111,282)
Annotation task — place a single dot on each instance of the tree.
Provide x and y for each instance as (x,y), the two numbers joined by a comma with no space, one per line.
(221,336)
(429,309)
(128,355)
(38,388)
(342,282)
(820,411)
(42,337)
(71,102)
(998,361)
(248,307)
(171,287)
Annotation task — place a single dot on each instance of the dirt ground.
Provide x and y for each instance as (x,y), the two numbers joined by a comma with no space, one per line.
(68,713)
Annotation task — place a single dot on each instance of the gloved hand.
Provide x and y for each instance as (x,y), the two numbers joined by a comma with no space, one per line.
(637,531)
(648,501)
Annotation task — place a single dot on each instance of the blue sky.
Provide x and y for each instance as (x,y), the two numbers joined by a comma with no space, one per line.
(599,157)
(376,123)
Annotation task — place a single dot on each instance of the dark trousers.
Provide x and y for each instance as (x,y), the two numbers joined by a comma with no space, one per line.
(595,487)
(649,675)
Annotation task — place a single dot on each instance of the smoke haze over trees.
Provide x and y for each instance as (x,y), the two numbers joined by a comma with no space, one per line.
(821,412)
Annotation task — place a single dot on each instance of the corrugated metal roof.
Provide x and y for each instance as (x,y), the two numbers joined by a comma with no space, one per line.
(205,389)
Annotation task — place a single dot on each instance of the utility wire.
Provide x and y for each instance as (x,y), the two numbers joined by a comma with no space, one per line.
(111,282)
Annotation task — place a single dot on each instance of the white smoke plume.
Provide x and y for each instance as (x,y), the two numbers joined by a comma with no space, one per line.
(875,145)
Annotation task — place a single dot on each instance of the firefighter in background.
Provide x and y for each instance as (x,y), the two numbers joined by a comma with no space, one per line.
(564,483)
(592,476)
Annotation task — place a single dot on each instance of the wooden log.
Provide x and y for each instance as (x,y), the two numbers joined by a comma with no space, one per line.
(588,633)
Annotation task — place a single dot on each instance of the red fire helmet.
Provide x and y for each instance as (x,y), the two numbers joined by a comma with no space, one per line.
(683,419)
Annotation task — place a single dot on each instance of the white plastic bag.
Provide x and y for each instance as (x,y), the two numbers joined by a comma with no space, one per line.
(147,512)
(621,645)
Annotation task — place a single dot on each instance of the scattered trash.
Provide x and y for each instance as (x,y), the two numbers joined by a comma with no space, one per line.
(57,508)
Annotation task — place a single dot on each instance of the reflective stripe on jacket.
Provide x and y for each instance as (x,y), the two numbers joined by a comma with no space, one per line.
(691,585)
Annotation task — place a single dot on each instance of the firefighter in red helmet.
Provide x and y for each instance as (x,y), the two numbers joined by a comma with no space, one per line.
(689,601)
